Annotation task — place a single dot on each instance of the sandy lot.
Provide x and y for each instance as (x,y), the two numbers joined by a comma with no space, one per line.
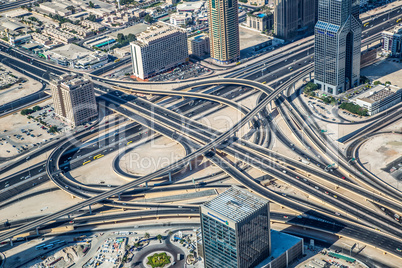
(152,156)
(249,38)
(385,71)
(38,205)
(14,92)
(223,119)
(379,151)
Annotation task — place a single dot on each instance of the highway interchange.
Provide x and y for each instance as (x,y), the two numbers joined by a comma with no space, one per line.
(355,221)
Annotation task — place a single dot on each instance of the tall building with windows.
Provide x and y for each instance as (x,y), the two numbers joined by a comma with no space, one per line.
(161,47)
(235,229)
(223,24)
(73,99)
(392,41)
(294,17)
(337,45)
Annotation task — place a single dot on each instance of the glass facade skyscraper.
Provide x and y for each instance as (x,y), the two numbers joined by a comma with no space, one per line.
(235,229)
(294,17)
(337,45)
(223,24)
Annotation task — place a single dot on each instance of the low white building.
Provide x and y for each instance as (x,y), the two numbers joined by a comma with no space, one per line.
(157,49)
(76,56)
(379,98)
(194,7)
(181,18)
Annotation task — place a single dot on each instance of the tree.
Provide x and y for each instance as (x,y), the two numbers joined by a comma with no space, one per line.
(36,108)
(26,111)
(91,5)
(131,37)
(92,17)
(388,83)
(376,83)
(146,235)
(72,8)
(148,18)
(53,129)
(354,108)
(311,86)
(159,237)
(120,37)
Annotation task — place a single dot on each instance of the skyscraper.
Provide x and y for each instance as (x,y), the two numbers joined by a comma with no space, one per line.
(294,17)
(224,30)
(74,99)
(337,45)
(235,229)
(159,48)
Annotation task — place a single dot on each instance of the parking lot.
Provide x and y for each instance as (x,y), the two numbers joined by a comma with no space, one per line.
(19,134)
(109,254)
(184,71)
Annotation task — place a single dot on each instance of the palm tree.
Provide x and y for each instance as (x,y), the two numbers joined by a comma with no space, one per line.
(146,235)
(159,237)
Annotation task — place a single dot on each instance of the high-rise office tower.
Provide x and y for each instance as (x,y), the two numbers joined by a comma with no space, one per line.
(235,229)
(73,99)
(294,17)
(159,48)
(223,24)
(337,45)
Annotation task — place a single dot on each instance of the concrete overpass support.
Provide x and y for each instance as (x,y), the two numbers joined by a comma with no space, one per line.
(170,176)
(11,242)
(191,167)
(119,196)
(90,210)
(37,230)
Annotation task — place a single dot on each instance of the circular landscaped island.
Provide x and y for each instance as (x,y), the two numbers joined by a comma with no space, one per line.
(158,259)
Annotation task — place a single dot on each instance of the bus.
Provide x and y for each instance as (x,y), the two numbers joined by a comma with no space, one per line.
(40,246)
(399,20)
(366,24)
(48,246)
(117,60)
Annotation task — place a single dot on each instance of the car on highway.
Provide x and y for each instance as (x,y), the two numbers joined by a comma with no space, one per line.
(285,217)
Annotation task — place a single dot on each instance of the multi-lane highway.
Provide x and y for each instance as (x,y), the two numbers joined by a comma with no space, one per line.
(357,219)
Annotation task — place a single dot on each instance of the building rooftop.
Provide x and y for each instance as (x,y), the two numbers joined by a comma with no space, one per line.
(71,51)
(136,29)
(198,38)
(377,93)
(17,13)
(190,6)
(155,32)
(281,242)
(12,26)
(236,203)
(396,30)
